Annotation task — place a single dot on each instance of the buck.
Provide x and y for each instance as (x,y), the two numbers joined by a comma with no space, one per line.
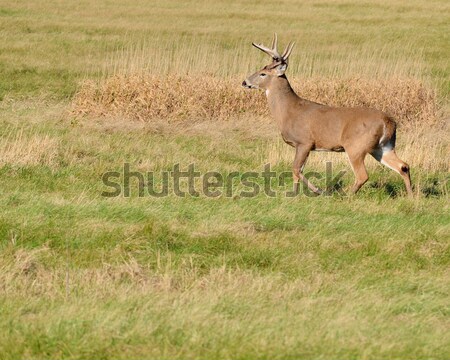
(309,126)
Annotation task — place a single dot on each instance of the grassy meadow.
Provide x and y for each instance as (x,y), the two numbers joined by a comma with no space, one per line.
(87,87)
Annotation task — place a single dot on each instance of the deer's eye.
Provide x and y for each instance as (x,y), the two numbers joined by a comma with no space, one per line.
(262,75)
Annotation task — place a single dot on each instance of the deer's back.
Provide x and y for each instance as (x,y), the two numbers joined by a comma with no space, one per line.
(332,128)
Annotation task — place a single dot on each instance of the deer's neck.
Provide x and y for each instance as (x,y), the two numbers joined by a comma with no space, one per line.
(281,97)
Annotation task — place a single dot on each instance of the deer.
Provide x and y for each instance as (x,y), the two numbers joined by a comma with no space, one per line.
(309,126)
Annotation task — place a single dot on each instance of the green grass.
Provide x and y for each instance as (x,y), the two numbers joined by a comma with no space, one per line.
(198,277)
(84,276)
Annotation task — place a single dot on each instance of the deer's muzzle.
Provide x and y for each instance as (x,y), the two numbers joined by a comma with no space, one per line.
(247,85)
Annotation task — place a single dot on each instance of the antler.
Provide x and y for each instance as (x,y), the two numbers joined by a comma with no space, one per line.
(288,51)
(273,52)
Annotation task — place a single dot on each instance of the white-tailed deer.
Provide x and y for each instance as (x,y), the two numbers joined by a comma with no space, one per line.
(309,126)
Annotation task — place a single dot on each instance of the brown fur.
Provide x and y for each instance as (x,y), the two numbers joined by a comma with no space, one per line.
(309,126)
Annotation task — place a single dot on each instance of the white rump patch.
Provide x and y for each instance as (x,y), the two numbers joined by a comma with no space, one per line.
(387,148)
(267,92)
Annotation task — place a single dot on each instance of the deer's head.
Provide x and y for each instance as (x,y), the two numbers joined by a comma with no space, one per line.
(262,78)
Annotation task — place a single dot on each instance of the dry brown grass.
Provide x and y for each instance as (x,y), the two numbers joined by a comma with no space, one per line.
(146,97)
(18,149)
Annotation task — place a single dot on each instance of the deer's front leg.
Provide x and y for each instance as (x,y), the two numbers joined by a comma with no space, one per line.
(301,154)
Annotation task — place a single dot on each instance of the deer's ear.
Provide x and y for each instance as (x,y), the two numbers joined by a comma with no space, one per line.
(280,69)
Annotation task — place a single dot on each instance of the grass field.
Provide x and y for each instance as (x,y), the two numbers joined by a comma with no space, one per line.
(230,277)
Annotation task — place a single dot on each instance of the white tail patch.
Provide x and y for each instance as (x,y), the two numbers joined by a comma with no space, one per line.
(387,148)
(385,142)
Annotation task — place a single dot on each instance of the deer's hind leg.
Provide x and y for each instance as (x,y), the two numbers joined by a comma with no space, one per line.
(390,159)
(359,169)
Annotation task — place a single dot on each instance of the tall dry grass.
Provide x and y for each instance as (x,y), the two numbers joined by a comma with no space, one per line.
(210,54)
(145,97)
